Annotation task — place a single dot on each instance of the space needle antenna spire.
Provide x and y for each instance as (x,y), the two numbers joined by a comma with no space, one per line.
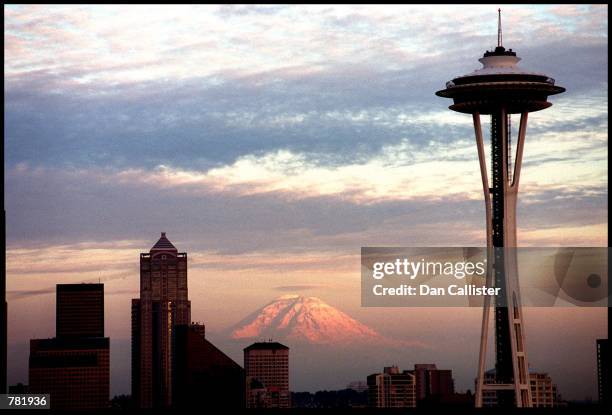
(499,28)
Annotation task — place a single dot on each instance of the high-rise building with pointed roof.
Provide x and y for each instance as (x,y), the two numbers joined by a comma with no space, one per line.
(163,305)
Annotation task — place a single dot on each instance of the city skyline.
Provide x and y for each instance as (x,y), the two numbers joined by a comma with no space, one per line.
(286,146)
(327,347)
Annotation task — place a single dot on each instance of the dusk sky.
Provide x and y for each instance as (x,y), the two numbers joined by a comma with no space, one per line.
(271,143)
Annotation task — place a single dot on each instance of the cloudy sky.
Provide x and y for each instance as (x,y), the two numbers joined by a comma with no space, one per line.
(271,143)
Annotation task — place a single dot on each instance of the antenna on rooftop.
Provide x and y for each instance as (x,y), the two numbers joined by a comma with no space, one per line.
(499,28)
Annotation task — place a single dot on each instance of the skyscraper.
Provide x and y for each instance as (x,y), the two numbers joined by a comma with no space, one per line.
(267,365)
(392,389)
(163,305)
(603,372)
(420,375)
(3,318)
(79,310)
(74,367)
(74,371)
(432,383)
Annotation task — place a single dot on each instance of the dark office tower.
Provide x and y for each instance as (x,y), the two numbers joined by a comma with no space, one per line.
(74,371)
(433,385)
(163,305)
(3,318)
(136,360)
(79,310)
(203,374)
(420,376)
(18,388)
(267,375)
(603,372)
(3,346)
(74,367)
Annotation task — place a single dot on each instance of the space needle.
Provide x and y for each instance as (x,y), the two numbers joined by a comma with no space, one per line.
(500,88)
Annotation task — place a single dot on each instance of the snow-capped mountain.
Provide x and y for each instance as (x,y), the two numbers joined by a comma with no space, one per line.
(307,319)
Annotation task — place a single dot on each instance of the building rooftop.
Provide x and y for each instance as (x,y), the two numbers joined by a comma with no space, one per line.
(266,346)
(163,244)
(80,287)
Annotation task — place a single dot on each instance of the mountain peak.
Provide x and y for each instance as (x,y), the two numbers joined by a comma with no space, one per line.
(300,318)
(288,297)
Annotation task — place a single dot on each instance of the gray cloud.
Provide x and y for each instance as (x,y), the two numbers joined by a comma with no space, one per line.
(15,295)
(214,120)
(19,294)
(59,207)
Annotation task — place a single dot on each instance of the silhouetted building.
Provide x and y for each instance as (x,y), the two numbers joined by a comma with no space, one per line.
(392,389)
(136,359)
(543,391)
(163,305)
(4,341)
(344,398)
(3,317)
(420,377)
(74,367)
(603,372)
(74,371)
(19,388)
(79,310)
(121,403)
(204,375)
(268,363)
(455,400)
(432,384)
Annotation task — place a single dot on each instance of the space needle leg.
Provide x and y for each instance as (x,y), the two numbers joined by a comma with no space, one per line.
(520,362)
(487,300)
(519,151)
